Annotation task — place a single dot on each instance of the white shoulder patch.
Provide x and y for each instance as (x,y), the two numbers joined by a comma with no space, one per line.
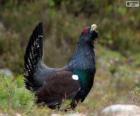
(75,77)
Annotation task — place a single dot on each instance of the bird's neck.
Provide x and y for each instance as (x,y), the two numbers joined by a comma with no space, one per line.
(84,57)
(83,63)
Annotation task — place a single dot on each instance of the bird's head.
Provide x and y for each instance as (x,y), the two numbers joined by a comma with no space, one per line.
(90,34)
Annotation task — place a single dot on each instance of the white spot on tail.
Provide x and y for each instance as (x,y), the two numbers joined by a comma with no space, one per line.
(75,77)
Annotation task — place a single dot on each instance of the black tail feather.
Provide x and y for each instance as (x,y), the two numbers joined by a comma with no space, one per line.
(33,55)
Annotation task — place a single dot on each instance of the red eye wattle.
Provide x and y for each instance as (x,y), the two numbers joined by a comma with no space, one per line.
(85,30)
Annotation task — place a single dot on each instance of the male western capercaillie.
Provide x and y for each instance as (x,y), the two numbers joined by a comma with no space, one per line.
(73,81)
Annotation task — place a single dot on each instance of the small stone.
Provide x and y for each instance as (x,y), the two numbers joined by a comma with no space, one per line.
(17,114)
(2,28)
(4,114)
(70,114)
(6,72)
(121,110)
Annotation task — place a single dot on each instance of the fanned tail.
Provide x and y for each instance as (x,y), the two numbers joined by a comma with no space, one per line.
(33,56)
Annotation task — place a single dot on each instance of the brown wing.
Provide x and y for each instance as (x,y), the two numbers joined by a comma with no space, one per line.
(58,87)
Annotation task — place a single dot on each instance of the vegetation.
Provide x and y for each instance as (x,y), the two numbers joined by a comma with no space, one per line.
(118,65)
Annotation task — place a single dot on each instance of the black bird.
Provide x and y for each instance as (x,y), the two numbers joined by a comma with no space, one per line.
(73,81)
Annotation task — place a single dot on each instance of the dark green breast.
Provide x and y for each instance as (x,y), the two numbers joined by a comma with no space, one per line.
(85,78)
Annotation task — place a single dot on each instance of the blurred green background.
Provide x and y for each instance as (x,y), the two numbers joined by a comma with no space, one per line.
(118,58)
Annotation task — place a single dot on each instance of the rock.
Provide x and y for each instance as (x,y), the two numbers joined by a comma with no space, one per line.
(17,114)
(3,114)
(6,114)
(121,110)
(70,114)
(6,72)
(2,28)
(75,114)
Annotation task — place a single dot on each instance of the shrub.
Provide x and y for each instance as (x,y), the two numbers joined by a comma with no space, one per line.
(13,95)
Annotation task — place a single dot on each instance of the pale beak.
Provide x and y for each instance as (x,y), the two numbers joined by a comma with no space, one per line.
(93,27)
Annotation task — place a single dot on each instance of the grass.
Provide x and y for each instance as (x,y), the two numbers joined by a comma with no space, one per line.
(14,96)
